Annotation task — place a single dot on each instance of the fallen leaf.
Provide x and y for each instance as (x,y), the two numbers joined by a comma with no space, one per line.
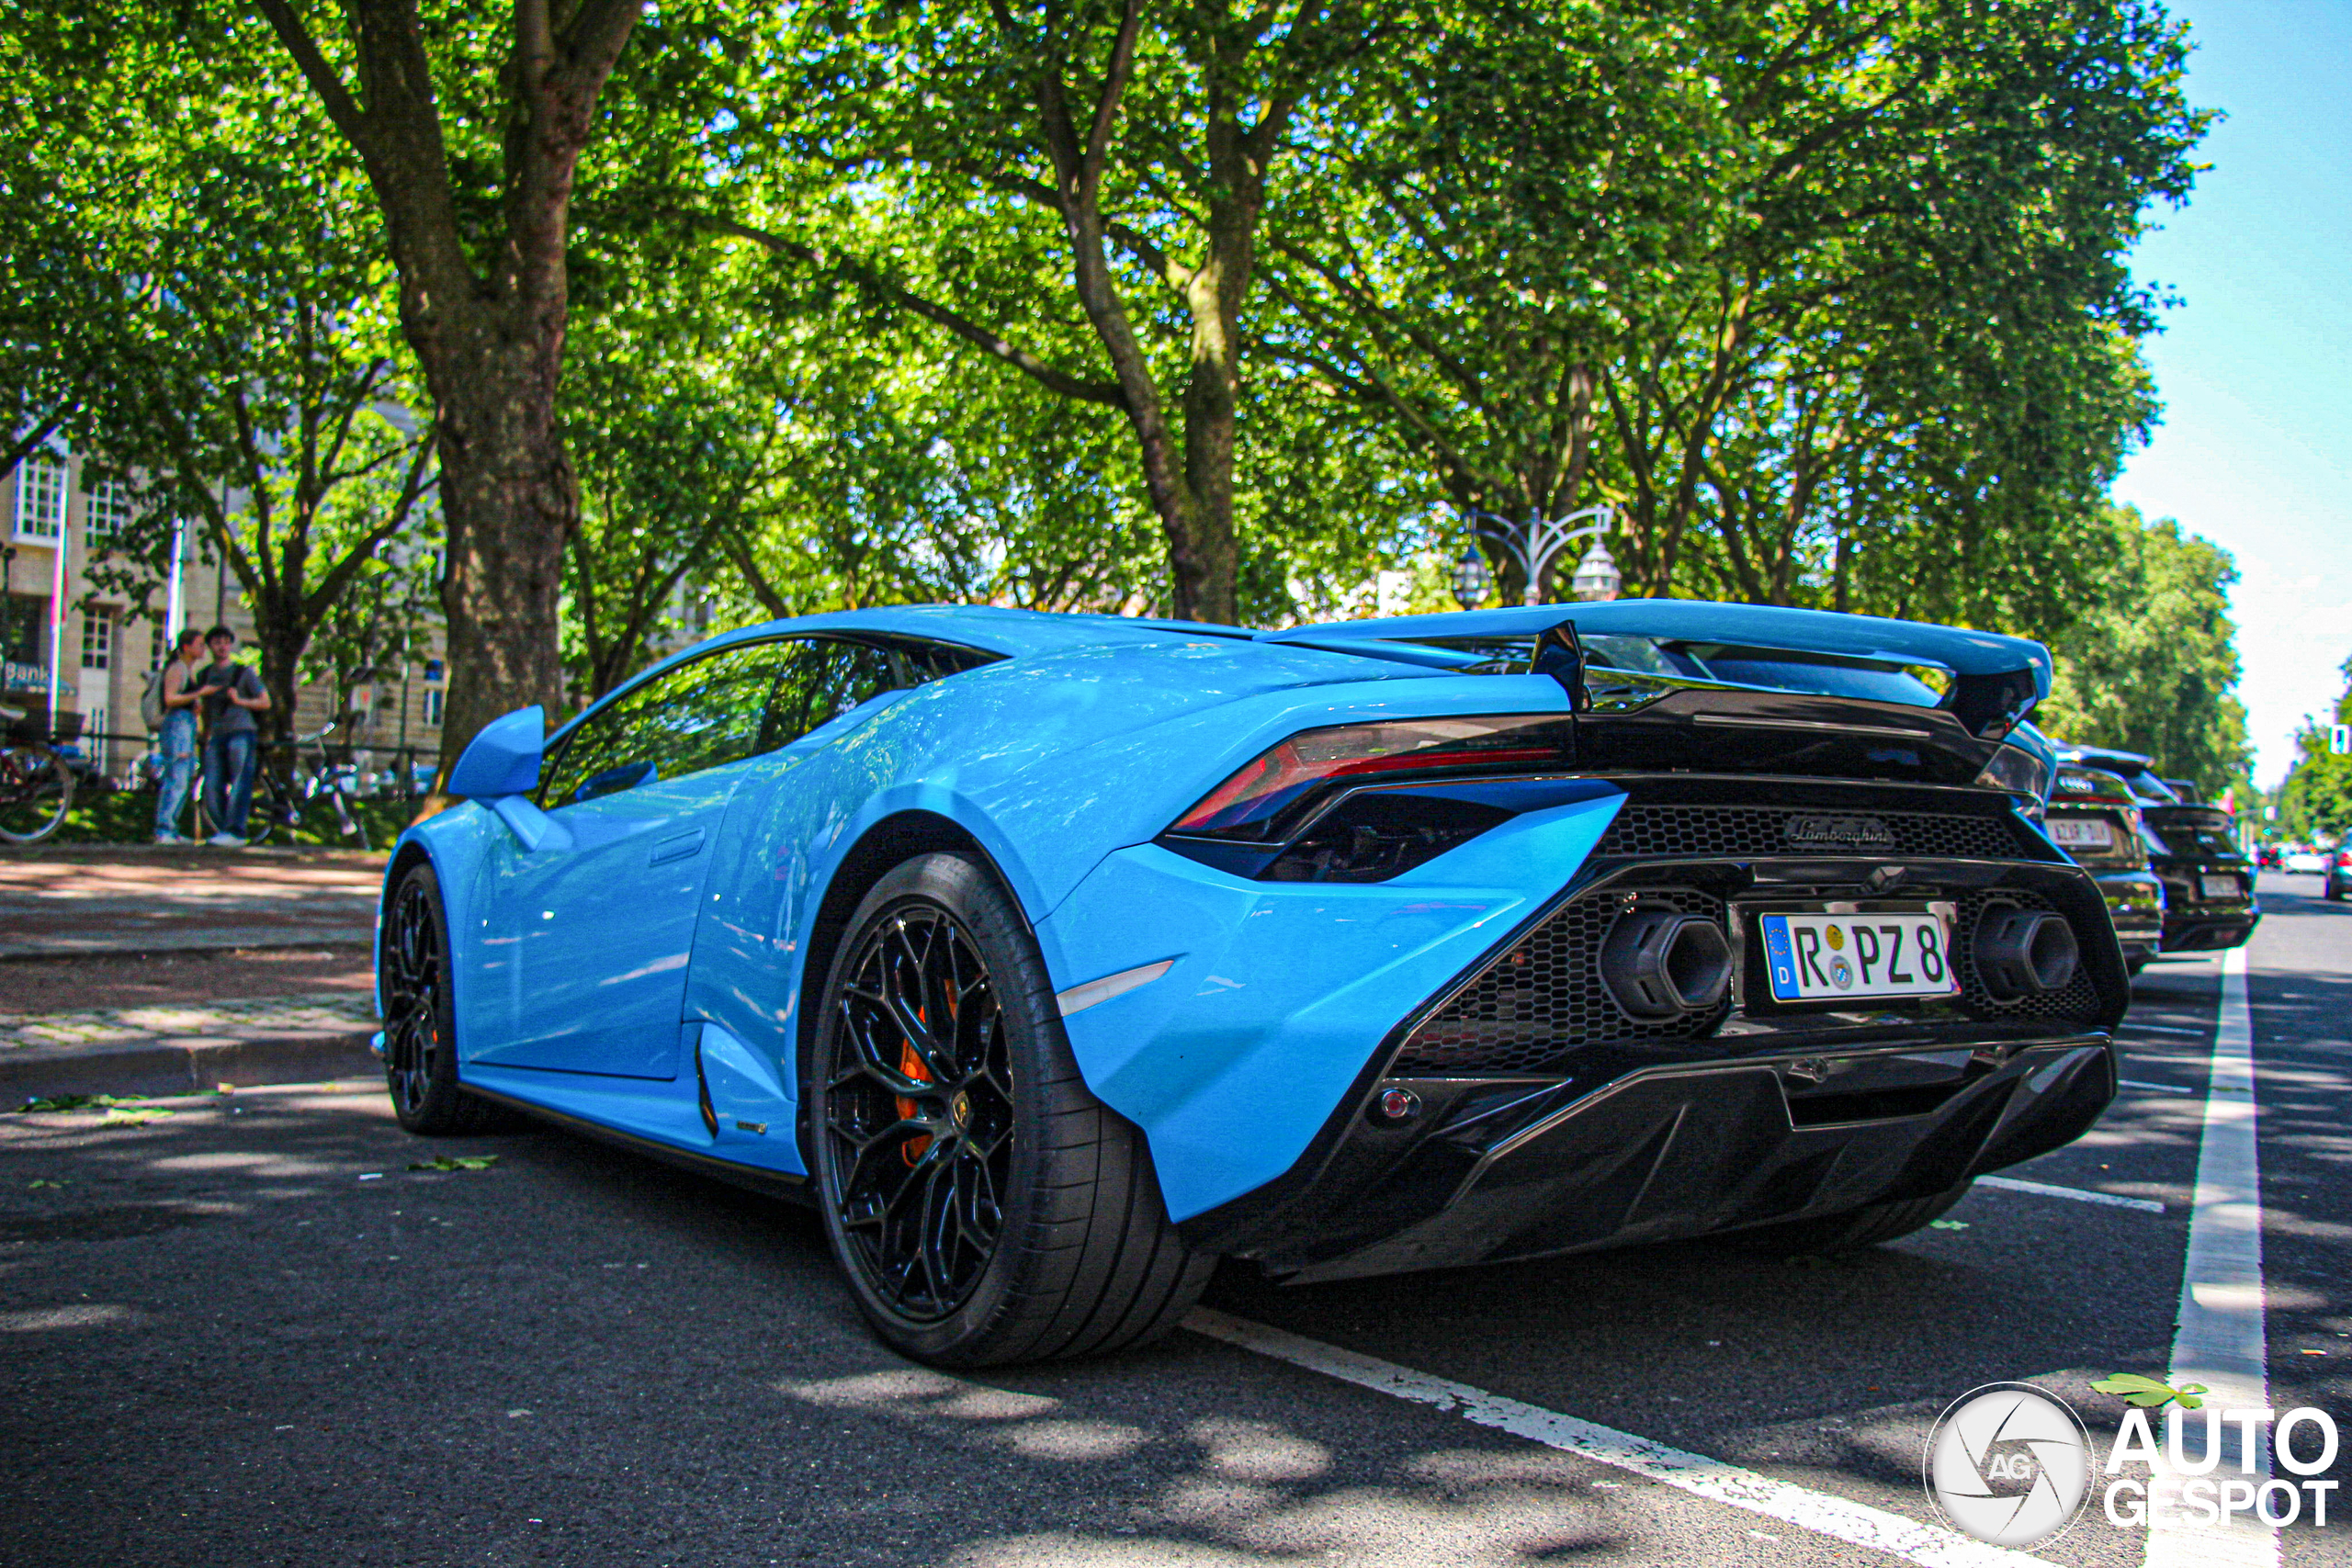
(455,1162)
(1948,1224)
(2149,1393)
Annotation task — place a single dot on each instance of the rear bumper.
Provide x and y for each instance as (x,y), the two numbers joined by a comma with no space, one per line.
(1492,1170)
(2135,902)
(2205,933)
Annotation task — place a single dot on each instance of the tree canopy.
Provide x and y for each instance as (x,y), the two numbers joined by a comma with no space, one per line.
(725,309)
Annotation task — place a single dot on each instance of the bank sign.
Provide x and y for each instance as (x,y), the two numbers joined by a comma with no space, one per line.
(15,677)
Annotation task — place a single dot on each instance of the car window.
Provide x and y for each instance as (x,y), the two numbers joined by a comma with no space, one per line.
(703,713)
(826,680)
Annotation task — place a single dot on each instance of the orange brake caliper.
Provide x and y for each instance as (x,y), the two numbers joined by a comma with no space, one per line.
(911,1065)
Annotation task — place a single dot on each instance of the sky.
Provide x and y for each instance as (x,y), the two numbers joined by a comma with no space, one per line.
(2254,364)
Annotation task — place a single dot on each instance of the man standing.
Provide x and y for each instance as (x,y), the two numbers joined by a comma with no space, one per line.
(234,693)
(175,739)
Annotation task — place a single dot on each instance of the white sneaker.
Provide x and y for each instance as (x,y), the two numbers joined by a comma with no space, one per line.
(172,838)
(226,841)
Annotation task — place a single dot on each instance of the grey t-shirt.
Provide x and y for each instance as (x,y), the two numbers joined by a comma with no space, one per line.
(223,716)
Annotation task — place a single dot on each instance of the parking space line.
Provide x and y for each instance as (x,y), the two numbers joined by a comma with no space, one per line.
(2130,1028)
(2222,1341)
(1823,1512)
(2079,1194)
(2157,1088)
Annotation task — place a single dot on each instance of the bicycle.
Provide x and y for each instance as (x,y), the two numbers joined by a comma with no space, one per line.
(36,778)
(278,798)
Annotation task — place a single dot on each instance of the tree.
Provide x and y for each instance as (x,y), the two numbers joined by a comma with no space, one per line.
(1136,145)
(2315,799)
(2151,670)
(471,133)
(1800,292)
(80,250)
(257,388)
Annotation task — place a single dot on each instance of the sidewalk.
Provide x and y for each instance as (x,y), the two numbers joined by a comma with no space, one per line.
(85,899)
(182,1049)
(99,1005)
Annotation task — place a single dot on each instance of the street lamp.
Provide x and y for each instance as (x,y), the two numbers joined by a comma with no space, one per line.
(1473,581)
(1536,543)
(1597,575)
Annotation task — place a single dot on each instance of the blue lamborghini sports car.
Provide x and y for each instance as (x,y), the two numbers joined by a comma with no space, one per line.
(1054,957)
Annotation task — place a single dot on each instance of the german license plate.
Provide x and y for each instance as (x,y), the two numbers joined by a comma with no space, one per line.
(1844,957)
(2219,886)
(2088,833)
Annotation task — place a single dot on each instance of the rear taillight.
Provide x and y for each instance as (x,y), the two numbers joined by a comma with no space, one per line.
(1251,804)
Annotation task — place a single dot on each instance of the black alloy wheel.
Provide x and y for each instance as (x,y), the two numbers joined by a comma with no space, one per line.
(986,1207)
(420,1031)
(919,1112)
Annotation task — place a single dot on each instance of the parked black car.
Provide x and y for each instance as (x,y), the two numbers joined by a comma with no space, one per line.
(2335,882)
(2094,819)
(2208,880)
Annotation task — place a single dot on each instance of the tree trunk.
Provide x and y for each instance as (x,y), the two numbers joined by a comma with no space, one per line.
(509,505)
(486,318)
(282,639)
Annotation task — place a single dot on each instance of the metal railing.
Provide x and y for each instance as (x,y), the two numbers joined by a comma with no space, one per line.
(357,771)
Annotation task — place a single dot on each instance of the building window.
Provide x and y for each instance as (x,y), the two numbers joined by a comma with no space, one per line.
(433,704)
(40,498)
(94,723)
(105,510)
(97,641)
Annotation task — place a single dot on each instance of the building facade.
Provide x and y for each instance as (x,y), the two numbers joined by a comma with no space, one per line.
(66,650)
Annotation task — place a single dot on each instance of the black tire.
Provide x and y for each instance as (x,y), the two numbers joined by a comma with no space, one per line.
(1849,1232)
(986,1207)
(420,1023)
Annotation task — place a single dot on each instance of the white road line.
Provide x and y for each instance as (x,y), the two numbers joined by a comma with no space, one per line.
(2157,1088)
(2222,1341)
(1928,1545)
(2079,1194)
(2130,1028)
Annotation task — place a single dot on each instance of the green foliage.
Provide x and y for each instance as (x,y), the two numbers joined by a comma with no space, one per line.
(1828,302)
(2150,667)
(2316,800)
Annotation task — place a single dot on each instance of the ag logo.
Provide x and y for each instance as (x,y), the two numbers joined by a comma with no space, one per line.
(2009,1464)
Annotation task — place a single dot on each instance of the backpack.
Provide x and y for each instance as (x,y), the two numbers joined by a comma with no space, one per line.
(151,702)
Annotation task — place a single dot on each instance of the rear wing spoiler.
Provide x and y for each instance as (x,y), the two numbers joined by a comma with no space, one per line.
(1994,681)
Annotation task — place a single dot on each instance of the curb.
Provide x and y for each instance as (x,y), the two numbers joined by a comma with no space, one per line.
(155,1067)
(217,940)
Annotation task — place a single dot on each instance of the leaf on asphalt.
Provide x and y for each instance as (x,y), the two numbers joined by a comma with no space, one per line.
(455,1162)
(1948,1224)
(38,1181)
(133,1118)
(40,1104)
(2149,1393)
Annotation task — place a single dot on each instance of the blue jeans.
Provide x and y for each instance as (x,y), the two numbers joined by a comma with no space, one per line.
(229,764)
(176,748)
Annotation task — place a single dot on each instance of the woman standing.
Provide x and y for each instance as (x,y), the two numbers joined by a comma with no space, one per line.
(176,739)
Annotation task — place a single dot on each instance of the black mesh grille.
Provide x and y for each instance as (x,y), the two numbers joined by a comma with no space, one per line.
(1544,997)
(2077,1000)
(1669,831)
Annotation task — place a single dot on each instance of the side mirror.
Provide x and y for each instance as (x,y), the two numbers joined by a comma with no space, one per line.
(503,760)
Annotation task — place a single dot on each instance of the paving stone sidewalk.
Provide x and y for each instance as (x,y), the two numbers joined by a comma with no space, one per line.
(74,899)
(166,1048)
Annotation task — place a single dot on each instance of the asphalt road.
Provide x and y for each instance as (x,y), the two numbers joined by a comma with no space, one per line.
(247,1334)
